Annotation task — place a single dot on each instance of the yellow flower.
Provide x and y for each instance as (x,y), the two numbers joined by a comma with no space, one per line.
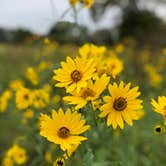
(92,51)
(91,93)
(113,66)
(160,106)
(32,75)
(24,98)
(43,65)
(7,161)
(119,48)
(28,114)
(73,2)
(40,98)
(48,157)
(87,3)
(56,99)
(74,74)
(16,84)
(155,78)
(121,105)
(63,128)
(60,161)
(17,153)
(46,41)
(4,99)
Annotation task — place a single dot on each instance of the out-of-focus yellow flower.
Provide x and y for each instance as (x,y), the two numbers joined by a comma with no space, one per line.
(47,41)
(32,75)
(47,88)
(66,126)
(49,49)
(43,65)
(24,98)
(144,56)
(155,78)
(113,66)
(91,93)
(92,51)
(16,84)
(122,105)
(40,98)
(17,154)
(164,51)
(48,157)
(28,114)
(87,3)
(110,65)
(73,2)
(4,99)
(119,48)
(7,161)
(56,99)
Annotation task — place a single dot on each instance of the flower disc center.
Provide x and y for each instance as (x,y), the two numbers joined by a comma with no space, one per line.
(120,104)
(26,96)
(88,93)
(64,132)
(76,76)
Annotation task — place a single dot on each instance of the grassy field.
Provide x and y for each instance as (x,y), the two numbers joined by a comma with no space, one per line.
(132,146)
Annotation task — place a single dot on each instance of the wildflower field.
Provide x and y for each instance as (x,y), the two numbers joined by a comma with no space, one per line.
(89,104)
(83,105)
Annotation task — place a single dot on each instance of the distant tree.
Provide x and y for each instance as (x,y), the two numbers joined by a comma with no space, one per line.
(102,37)
(66,32)
(20,35)
(139,23)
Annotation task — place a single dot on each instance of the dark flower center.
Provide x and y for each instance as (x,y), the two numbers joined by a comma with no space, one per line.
(26,96)
(88,93)
(120,104)
(64,132)
(76,76)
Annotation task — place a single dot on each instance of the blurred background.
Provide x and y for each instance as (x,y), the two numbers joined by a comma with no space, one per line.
(107,22)
(36,35)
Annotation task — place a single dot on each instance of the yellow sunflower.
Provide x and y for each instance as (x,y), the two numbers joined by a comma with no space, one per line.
(74,73)
(87,3)
(160,106)
(122,105)
(63,128)
(91,93)
(23,98)
(73,2)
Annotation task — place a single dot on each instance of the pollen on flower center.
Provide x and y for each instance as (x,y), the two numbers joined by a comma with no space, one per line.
(120,104)
(88,93)
(64,132)
(76,76)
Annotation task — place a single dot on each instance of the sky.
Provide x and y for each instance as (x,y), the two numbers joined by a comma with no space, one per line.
(40,15)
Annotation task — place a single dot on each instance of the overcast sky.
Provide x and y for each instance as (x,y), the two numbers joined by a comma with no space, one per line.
(40,15)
